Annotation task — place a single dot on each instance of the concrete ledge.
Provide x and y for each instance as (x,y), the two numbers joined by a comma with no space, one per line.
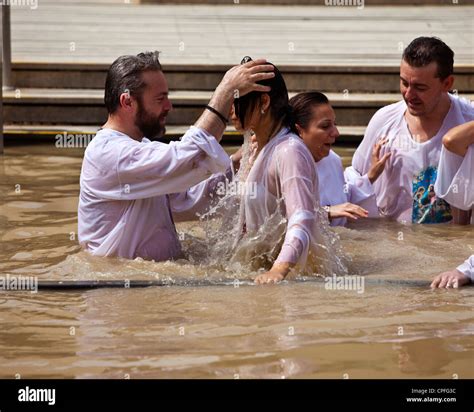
(17,133)
(178,98)
(370,79)
(85,107)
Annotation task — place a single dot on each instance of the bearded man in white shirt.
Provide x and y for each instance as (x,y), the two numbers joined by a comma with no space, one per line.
(126,179)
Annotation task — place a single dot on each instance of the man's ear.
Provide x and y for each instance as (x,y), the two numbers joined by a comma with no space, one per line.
(126,100)
(448,83)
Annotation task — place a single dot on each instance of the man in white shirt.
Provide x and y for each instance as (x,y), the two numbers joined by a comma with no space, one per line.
(414,128)
(126,179)
(455,184)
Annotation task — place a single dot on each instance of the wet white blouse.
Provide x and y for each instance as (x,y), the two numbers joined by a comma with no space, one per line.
(335,190)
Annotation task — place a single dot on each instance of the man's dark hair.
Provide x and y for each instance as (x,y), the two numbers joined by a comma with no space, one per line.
(425,50)
(125,74)
(303,104)
(279,107)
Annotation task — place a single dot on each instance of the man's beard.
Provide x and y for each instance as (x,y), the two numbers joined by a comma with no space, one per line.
(148,124)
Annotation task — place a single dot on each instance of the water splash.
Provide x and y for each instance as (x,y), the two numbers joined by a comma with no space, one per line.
(231,246)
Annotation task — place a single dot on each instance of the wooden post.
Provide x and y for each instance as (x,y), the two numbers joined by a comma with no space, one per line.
(1,95)
(6,48)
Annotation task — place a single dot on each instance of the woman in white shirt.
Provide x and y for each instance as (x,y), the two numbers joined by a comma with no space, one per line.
(285,205)
(315,123)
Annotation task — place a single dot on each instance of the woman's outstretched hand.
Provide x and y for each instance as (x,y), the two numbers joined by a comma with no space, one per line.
(348,210)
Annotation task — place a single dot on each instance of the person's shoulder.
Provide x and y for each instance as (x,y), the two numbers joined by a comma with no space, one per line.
(106,136)
(334,157)
(466,107)
(291,146)
(290,142)
(390,112)
(107,145)
(384,119)
(331,164)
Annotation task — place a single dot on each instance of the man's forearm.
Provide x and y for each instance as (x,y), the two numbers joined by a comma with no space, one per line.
(221,101)
(458,139)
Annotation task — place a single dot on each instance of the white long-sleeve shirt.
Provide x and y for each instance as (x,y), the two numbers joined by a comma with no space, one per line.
(284,209)
(125,184)
(455,184)
(335,188)
(404,191)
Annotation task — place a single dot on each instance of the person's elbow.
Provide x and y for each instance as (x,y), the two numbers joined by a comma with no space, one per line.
(449,142)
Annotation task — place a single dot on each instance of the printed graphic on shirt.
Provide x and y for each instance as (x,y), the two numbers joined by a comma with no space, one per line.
(427,207)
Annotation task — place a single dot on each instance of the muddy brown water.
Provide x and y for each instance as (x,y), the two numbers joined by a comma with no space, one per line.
(296,329)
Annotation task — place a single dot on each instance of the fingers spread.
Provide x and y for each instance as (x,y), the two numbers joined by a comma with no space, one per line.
(381,162)
(376,150)
(262,76)
(261,88)
(435,282)
(261,68)
(444,281)
(386,156)
(256,62)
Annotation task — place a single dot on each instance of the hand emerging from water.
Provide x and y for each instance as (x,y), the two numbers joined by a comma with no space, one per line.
(349,210)
(377,162)
(275,275)
(451,279)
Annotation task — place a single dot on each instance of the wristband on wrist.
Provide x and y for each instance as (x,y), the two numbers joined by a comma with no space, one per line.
(224,119)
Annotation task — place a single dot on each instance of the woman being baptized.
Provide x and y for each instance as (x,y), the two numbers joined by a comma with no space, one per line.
(270,212)
(281,225)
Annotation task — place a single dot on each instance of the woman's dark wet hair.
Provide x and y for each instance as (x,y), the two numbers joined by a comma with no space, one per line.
(303,104)
(279,103)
